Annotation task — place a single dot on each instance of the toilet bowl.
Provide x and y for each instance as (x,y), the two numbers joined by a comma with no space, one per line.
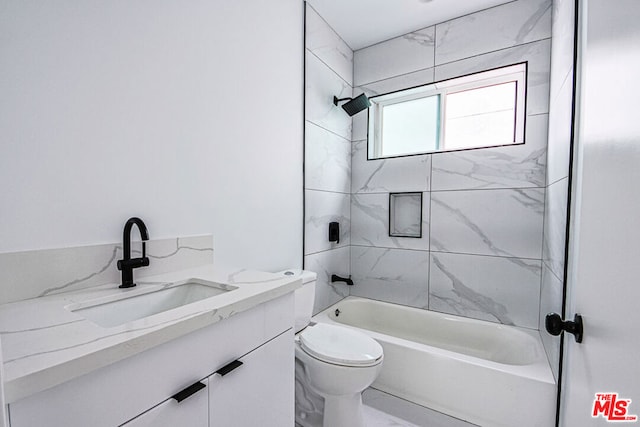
(338,364)
(334,364)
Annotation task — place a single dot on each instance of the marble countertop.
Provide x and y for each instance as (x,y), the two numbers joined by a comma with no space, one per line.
(44,344)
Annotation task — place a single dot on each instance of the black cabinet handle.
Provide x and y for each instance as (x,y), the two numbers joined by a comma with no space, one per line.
(228,368)
(189,391)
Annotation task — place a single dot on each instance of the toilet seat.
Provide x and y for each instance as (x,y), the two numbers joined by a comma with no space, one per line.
(340,346)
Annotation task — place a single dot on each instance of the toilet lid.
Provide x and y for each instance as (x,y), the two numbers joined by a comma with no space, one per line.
(339,345)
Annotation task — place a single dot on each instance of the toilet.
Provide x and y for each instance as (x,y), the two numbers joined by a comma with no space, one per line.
(334,364)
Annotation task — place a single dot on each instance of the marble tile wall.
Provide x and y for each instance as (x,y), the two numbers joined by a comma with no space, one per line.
(491,288)
(370,223)
(493,29)
(33,274)
(411,52)
(536,53)
(394,275)
(483,209)
(558,160)
(326,263)
(328,72)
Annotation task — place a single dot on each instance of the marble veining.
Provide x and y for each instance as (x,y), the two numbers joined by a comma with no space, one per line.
(487,288)
(39,273)
(424,37)
(326,44)
(410,52)
(117,252)
(75,345)
(388,175)
(516,166)
(370,223)
(393,275)
(322,208)
(488,222)
(110,263)
(334,261)
(511,25)
(327,160)
(539,17)
(321,85)
(538,57)
(374,211)
(38,328)
(392,84)
(484,208)
(45,343)
(492,170)
(467,296)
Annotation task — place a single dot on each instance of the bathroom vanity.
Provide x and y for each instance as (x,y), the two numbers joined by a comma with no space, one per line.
(226,359)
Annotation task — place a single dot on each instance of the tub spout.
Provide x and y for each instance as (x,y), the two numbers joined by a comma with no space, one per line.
(336,278)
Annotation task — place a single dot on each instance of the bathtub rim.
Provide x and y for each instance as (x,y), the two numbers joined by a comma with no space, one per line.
(539,370)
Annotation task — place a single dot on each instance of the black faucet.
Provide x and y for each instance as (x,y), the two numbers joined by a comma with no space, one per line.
(126,264)
(336,278)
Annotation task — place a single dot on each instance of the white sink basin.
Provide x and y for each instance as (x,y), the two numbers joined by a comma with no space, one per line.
(140,303)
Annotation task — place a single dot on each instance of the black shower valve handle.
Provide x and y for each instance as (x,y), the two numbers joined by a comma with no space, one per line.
(334,232)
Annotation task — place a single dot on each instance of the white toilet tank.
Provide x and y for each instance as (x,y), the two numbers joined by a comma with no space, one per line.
(304,296)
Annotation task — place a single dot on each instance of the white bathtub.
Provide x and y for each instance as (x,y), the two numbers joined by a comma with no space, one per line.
(481,372)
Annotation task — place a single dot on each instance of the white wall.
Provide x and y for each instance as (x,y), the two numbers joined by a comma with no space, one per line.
(187,114)
(603,268)
(3,414)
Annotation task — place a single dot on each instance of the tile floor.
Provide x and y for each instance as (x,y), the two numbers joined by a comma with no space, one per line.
(385,410)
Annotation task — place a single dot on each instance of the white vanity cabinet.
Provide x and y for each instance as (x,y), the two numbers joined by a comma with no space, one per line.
(250,391)
(190,412)
(254,393)
(136,391)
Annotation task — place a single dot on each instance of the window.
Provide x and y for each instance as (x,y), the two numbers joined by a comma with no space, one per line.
(479,110)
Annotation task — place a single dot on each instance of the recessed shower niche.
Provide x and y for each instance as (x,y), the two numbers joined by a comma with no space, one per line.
(405,215)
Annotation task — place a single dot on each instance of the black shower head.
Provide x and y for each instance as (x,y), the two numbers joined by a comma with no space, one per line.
(354,105)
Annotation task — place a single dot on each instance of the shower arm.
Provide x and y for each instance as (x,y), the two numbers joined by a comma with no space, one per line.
(336,100)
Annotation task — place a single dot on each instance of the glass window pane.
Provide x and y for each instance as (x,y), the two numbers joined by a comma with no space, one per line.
(410,127)
(484,109)
(482,130)
(481,117)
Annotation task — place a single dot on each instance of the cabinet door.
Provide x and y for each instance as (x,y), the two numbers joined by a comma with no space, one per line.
(257,393)
(193,411)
